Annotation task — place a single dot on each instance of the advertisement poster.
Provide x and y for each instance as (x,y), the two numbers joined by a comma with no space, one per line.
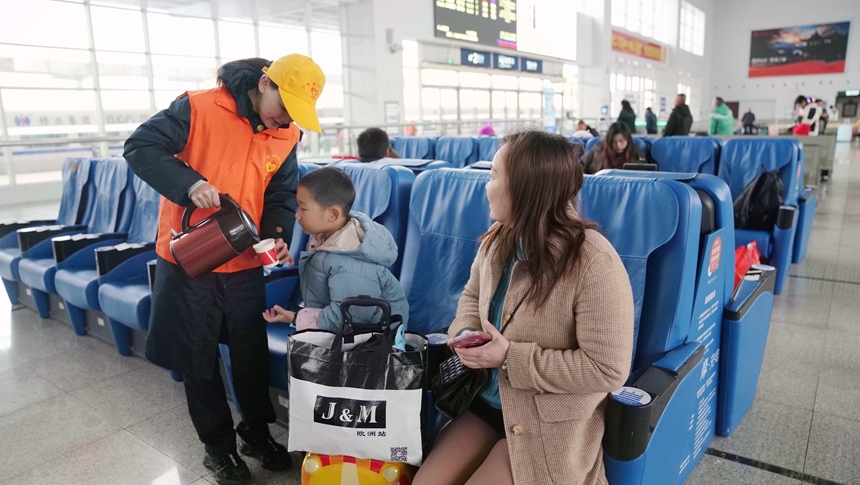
(805,49)
(635,46)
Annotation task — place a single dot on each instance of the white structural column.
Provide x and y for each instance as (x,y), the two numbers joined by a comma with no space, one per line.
(372,73)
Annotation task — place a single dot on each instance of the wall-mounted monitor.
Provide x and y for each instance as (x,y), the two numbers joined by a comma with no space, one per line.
(486,22)
(543,27)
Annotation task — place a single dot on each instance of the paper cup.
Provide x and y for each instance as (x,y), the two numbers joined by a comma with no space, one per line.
(266,252)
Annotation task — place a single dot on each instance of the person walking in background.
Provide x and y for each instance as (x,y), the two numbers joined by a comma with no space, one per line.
(824,118)
(650,122)
(722,121)
(680,120)
(807,121)
(748,121)
(627,116)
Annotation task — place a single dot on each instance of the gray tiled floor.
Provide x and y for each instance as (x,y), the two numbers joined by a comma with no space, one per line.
(73,411)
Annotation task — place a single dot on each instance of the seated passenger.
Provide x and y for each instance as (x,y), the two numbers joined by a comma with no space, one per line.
(584,131)
(486,130)
(348,255)
(556,300)
(620,150)
(373,144)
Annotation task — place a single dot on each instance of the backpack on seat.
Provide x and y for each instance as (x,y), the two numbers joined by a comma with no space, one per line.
(757,206)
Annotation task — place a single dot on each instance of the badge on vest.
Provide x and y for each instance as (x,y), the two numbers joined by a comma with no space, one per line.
(271,166)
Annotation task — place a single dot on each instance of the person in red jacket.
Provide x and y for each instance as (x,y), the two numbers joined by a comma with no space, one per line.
(238,138)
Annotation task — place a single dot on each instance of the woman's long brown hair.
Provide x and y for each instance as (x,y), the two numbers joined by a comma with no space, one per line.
(543,179)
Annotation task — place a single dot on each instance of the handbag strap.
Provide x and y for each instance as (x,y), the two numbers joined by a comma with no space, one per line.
(510,315)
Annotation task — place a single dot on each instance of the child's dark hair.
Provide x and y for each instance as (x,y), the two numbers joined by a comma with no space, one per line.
(330,186)
(372,144)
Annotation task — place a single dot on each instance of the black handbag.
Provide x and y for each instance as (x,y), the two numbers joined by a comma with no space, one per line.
(455,386)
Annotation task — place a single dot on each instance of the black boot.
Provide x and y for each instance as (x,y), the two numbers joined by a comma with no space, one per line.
(272,455)
(229,469)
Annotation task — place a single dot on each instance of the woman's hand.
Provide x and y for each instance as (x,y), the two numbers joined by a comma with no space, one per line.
(205,196)
(278,314)
(283,252)
(491,355)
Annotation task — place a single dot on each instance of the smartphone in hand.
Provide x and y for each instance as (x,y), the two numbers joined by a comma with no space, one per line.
(472,339)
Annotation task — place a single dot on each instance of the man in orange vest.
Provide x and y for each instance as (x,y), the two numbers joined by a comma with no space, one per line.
(239,138)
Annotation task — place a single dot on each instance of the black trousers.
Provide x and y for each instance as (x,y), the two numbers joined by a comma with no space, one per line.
(210,413)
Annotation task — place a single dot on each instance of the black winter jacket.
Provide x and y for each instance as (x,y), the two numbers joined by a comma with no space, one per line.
(679,122)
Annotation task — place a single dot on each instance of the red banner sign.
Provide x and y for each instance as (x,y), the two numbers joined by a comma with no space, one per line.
(637,47)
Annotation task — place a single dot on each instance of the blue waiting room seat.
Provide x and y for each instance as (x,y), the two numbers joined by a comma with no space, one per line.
(655,443)
(76,204)
(448,212)
(487,147)
(78,280)
(688,154)
(736,322)
(459,151)
(107,225)
(415,147)
(741,160)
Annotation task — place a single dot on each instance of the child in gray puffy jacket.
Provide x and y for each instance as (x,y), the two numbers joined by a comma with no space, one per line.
(348,255)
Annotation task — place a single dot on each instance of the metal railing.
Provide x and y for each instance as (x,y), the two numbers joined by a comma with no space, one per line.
(40,159)
(37,160)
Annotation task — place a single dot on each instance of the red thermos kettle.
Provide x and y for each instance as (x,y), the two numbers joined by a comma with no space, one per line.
(215,240)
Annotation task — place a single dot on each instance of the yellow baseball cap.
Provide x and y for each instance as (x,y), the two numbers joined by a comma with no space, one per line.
(300,82)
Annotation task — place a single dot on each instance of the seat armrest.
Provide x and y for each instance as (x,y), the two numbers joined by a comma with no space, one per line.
(84,258)
(760,278)
(30,236)
(131,268)
(279,272)
(785,218)
(150,270)
(109,257)
(807,193)
(629,424)
(65,246)
(10,227)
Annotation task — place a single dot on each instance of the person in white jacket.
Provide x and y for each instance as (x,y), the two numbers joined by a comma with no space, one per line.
(809,114)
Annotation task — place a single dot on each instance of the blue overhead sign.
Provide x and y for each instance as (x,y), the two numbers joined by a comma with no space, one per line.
(469,57)
(531,65)
(506,62)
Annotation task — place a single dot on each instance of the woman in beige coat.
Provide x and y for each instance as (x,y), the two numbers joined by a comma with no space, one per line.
(561,309)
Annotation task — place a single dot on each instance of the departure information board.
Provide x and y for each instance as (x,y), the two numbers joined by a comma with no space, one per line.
(487,22)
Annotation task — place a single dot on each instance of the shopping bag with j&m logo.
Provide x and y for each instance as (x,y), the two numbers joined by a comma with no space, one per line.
(352,393)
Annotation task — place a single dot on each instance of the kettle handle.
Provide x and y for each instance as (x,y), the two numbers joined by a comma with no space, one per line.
(186,217)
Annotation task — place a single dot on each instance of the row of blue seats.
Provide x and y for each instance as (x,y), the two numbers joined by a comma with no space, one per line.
(72,269)
(682,284)
(462,151)
(738,162)
(459,151)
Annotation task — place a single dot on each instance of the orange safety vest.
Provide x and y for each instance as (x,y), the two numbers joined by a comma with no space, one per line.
(223,147)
